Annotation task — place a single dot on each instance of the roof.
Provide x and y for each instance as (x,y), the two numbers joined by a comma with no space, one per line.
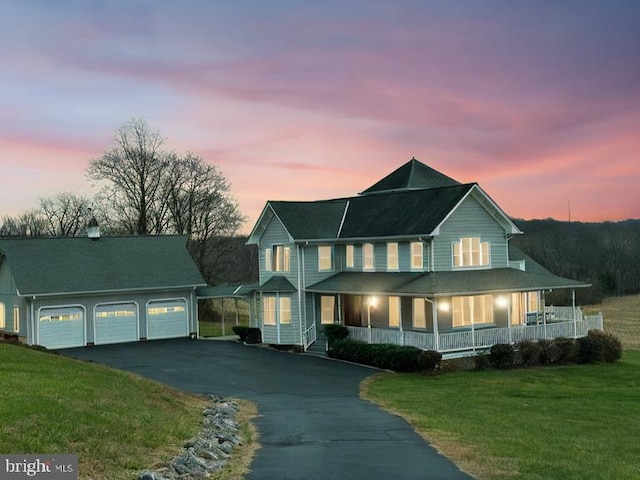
(277,283)
(417,209)
(411,175)
(442,283)
(65,265)
(226,291)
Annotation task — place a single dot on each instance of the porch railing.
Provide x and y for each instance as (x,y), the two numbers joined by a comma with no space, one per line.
(309,336)
(480,338)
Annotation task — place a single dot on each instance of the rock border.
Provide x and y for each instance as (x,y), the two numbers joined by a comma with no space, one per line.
(210,450)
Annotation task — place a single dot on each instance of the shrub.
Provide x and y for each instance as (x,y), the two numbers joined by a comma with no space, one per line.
(335,332)
(599,346)
(502,355)
(530,352)
(254,335)
(549,354)
(567,349)
(241,331)
(429,360)
(387,356)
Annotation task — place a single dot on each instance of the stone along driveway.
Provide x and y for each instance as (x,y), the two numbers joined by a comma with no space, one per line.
(312,422)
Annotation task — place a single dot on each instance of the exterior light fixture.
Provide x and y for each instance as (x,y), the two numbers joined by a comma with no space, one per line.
(501,301)
(444,306)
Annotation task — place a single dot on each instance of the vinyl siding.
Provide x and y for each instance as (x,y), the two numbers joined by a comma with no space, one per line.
(312,275)
(470,219)
(275,234)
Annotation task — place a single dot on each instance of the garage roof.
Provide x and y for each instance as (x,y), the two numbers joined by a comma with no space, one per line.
(50,266)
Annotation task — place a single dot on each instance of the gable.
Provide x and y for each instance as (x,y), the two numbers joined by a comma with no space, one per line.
(6,278)
(45,266)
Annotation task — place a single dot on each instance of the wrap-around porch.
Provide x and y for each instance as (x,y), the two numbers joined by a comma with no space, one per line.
(561,323)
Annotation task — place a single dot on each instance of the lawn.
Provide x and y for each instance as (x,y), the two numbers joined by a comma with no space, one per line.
(117,423)
(573,422)
(215,329)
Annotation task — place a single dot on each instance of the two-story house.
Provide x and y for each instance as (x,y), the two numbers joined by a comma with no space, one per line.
(416,259)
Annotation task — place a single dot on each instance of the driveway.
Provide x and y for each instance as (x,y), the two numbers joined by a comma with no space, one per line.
(312,422)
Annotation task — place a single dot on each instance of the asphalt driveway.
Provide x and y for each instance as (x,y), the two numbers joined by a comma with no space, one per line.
(312,422)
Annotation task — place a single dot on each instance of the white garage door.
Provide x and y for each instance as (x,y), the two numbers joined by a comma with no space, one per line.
(61,327)
(116,323)
(167,319)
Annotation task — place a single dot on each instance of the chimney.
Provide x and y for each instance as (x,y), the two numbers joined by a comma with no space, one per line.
(93,230)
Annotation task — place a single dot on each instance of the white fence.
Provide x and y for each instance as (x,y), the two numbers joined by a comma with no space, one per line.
(481,338)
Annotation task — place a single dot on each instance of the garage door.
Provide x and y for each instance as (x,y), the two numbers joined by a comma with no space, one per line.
(61,327)
(116,323)
(167,319)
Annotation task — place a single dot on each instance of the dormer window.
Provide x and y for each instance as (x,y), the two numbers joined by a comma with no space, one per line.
(471,252)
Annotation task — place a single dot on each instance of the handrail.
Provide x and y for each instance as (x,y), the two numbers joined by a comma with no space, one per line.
(309,336)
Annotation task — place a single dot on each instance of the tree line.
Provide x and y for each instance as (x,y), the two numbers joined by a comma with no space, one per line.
(145,189)
(606,254)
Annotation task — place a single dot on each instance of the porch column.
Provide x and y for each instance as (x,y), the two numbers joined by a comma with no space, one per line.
(434,315)
(573,304)
(473,335)
(223,316)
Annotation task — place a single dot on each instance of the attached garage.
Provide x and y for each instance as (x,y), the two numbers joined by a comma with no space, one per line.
(167,319)
(116,323)
(61,327)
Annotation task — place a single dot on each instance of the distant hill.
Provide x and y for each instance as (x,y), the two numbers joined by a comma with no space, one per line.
(605,254)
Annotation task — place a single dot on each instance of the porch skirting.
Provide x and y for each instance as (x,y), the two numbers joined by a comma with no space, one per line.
(481,338)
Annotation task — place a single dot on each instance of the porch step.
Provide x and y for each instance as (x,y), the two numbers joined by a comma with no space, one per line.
(318,347)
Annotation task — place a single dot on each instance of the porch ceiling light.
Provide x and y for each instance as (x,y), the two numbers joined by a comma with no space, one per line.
(444,306)
(501,301)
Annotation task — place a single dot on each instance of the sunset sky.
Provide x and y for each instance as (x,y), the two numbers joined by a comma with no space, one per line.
(537,101)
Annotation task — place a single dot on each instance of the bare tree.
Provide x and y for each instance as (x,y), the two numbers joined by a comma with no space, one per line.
(133,174)
(29,224)
(65,214)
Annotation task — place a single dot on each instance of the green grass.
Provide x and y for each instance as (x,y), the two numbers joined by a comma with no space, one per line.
(214,329)
(118,424)
(575,422)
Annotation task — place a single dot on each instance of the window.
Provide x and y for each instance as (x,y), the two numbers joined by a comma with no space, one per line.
(367,253)
(350,261)
(325,261)
(327,305)
(474,310)
(16,318)
(285,310)
(392,256)
(470,252)
(417,261)
(394,312)
(419,314)
(277,258)
(2,318)
(276,310)
(533,302)
(268,310)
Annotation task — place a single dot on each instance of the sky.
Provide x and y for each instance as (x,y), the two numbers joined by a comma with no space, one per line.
(537,101)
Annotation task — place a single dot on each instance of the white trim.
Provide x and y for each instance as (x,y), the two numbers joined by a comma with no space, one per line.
(344,215)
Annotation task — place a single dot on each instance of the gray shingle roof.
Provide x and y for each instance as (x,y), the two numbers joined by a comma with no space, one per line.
(306,220)
(442,283)
(277,283)
(412,175)
(42,266)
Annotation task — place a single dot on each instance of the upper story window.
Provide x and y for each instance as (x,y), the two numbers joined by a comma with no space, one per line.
(417,261)
(277,258)
(367,255)
(392,256)
(325,262)
(350,256)
(470,252)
